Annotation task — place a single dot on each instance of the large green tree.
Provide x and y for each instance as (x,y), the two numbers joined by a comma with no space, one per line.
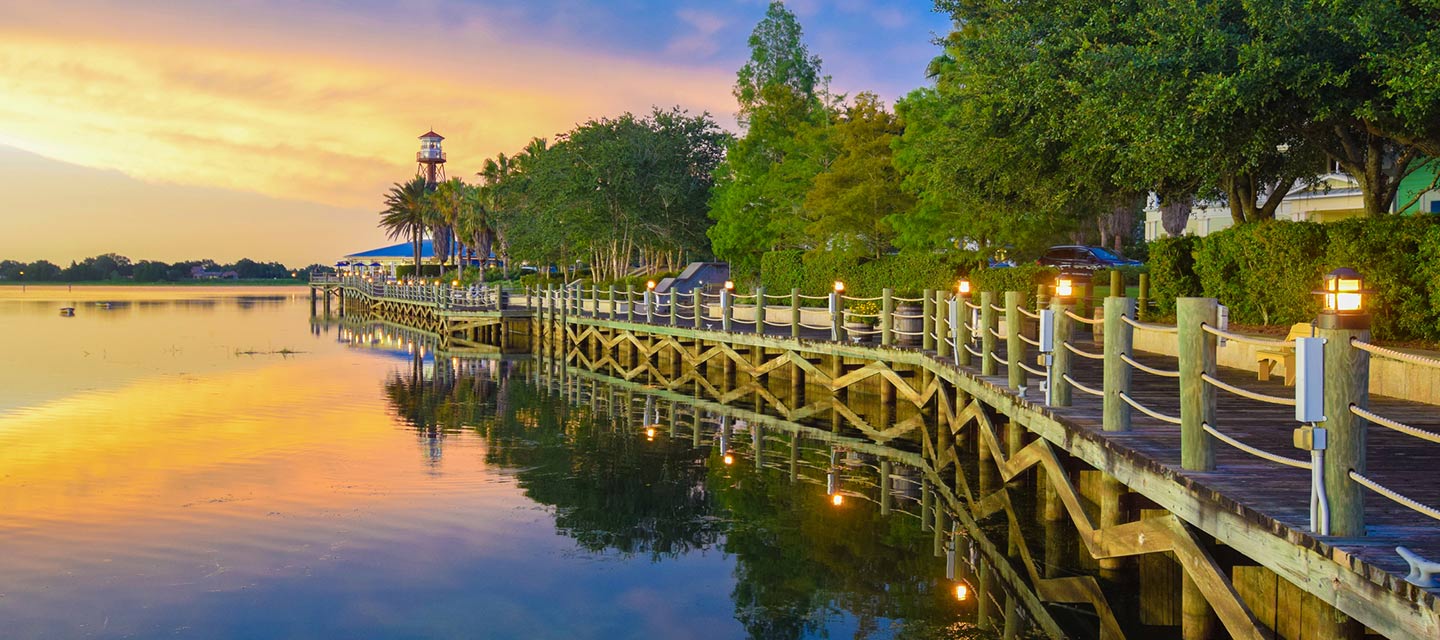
(851,203)
(785,109)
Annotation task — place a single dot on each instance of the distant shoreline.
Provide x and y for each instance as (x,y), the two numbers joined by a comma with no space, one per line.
(182,283)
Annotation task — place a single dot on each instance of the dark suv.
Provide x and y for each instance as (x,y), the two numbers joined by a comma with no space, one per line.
(1075,257)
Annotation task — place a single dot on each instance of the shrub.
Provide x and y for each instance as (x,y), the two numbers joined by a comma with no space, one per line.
(909,274)
(1172,271)
(1265,271)
(1391,254)
(1021,278)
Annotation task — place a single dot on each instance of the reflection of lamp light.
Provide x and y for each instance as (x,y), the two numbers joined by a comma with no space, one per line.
(1064,287)
(837,499)
(729,459)
(964,287)
(650,433)
(454,283)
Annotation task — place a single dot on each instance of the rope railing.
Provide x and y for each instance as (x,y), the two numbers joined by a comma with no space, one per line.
(999,359)
(1033,343)
(1147,410)
(1246,393)
(1146,326)
(993,332)
(814,326)
(907,333)
(907,316)
(1259,453)
(778,296)
(775,324)
(1393,354)
(853,299)
(1033,315)
(972,305)
(1082,319)
(997,308)
(1090,390)
(854,314)
(899,299)
(973,351)
(1082,353)
(1395,425)
(805,297)
(1164,373)
(1394,496)
(1033,370)
(1259,342)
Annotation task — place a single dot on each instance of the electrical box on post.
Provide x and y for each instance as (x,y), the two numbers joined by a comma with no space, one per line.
(1310,380)
(1047,330)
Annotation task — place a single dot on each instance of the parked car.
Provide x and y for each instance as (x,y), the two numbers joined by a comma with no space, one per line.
(1074,257)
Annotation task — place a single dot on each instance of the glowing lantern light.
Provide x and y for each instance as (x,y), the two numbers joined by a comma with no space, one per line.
(650,285)
(1064,287)
(962,592)
(964,287)
(729,286)
(839,287)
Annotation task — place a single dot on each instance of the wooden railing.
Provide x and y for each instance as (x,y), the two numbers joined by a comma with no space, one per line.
(1038,344)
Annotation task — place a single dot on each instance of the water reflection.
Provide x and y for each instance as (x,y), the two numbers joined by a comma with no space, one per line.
(629,473)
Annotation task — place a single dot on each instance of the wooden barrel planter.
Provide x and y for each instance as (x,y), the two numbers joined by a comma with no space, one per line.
(904,325)
(858,331)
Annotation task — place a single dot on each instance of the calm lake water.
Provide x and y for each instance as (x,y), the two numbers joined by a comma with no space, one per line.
(207,463)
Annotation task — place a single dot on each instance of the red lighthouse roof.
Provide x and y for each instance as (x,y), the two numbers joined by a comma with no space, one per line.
(432,134)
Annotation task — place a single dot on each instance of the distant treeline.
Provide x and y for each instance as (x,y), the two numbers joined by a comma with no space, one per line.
(113,266)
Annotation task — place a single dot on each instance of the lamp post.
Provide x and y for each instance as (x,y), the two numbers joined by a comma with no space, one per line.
(725,304)
(1057,389)
(837,324)
(1344,317)
(650,301)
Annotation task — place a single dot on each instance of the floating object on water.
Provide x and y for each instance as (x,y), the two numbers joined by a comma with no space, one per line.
(67,311)
(103,305)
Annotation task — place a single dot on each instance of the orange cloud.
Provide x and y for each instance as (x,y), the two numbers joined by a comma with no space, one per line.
(320,105)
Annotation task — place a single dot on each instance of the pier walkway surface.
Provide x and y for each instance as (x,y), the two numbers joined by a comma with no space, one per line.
(1210,443)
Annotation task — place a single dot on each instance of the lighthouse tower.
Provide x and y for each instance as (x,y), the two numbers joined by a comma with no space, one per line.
(430,159)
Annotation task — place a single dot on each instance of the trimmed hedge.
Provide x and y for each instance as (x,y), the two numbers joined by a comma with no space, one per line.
(1172,271)
(1265,272)
(1025,277)
(815,273)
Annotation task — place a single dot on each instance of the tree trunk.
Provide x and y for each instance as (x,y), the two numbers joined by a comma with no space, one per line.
(1175,214)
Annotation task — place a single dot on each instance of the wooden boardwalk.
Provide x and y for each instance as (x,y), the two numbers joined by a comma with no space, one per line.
(1260,507)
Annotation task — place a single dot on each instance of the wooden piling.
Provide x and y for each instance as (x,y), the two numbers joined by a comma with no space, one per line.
(1014,346)
(1197,397)
(1347,382)
(1119,337)
(1060,390)
(887,317)
(987,333)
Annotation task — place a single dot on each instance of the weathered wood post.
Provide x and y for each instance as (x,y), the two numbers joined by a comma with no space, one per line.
(927,323)
(837,320)
(630,302)
(885,496)
(795,313)
(727,311)
(887,317)
(760,309)
(614,310)
(942,325)
(1119,337)
(698,307)
(674,308)
(1142,301)
(1014,347)
(964,333)
(987,333)
(1117,284)
(1042,296)
(1197,397)
(1060,391)
(1347,382)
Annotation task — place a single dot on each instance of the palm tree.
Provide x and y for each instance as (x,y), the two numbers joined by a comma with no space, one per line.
(447,201)
(473,225)
(406,210)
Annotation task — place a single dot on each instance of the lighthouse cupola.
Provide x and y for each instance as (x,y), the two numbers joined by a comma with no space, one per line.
(430,159)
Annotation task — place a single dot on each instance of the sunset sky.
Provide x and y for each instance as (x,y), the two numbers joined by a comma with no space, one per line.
(268,129)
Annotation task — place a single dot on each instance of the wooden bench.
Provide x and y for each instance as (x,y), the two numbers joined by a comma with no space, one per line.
(1266,359)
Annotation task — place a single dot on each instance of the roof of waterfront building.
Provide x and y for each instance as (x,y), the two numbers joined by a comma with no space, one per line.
(401,250)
